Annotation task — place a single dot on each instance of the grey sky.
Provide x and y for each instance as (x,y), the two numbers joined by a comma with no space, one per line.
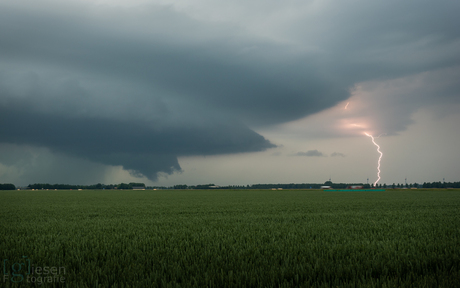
(337,154)
(142,84)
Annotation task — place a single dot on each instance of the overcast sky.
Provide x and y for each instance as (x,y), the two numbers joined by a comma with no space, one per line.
(228,92)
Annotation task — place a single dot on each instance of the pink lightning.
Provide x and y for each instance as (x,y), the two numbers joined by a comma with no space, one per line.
(380,158)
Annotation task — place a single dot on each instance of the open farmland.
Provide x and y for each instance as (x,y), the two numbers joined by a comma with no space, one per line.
(233,238)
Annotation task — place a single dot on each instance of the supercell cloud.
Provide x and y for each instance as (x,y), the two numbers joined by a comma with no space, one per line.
(138,85)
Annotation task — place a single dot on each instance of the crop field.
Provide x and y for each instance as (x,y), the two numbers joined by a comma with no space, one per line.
(230,238)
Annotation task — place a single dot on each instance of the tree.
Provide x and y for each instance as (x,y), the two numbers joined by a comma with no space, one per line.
(133,184)
(205,186)
(123,186)
(7,187)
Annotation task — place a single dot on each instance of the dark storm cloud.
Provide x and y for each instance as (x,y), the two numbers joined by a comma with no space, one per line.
(258,90)
(61,69)
(311,153)
(140,86)
(135,145)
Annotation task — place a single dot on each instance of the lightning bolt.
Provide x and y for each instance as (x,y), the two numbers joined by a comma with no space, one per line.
(380,157)
(346,105)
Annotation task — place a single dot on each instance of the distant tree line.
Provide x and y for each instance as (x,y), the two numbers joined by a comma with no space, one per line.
(201,186)
(270,186)
(318,186)
(127,186)
(441,184)
(307,185)
(98,186)
(7,187)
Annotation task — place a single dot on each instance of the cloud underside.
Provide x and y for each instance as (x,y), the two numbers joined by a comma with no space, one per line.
(141,85)
(137,147)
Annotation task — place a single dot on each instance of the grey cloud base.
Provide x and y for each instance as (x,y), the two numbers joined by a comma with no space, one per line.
(137,146)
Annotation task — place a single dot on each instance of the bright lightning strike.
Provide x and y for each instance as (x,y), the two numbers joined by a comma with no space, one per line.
(346,105)
(380,158)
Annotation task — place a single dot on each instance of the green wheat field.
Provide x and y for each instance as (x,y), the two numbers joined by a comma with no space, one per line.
(230,238)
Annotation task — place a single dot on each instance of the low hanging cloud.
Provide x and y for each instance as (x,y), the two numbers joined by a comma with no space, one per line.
(139,85)
(337,154)
(136,146)
(310,153)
